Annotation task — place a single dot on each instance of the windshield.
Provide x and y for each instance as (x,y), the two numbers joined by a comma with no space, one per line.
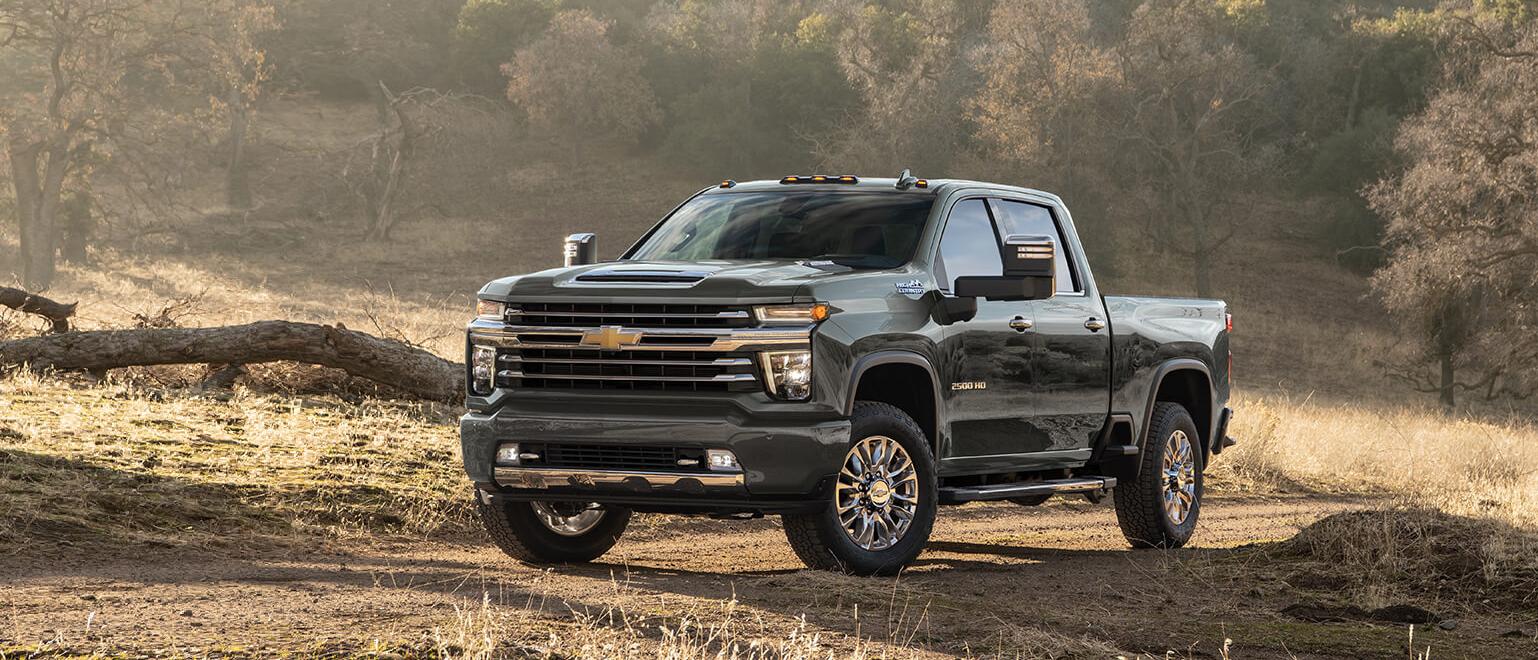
(859,229)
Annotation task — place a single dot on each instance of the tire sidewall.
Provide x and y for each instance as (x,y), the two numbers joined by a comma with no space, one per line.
(881,562)
(1177,535)
(520,519)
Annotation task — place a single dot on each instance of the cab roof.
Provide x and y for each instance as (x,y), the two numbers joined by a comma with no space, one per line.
(865,184)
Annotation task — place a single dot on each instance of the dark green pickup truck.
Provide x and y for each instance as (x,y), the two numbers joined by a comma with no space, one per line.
(847,353)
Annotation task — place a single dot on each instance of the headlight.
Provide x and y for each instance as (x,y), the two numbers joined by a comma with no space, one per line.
(490,310)
(789,374)
(483,369)
(791,314)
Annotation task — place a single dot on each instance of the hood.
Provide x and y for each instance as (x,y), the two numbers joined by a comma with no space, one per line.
(702,282)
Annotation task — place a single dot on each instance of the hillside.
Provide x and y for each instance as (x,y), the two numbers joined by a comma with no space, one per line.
(302,513)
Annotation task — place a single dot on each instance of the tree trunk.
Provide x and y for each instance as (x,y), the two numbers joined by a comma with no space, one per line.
(37,206)
(57,313)
(237,185)
(1202,264)
(1445,387)
(76,226)
(385,361)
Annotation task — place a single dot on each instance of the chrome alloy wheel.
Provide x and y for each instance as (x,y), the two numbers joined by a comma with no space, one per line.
(568,519)
(1179,478)
(877,495)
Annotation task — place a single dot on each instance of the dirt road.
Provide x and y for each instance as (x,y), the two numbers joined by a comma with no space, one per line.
(997,579)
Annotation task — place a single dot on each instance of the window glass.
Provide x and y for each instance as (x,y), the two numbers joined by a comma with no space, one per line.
(1033,220)
(858,229)
(969,246)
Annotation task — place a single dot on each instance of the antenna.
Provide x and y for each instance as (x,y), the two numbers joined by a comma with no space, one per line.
(906,180)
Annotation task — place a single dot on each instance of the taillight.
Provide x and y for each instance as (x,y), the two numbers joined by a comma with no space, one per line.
(1228,322)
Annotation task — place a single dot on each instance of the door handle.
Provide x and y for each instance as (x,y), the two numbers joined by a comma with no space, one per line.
(1094,324)
(1021,324)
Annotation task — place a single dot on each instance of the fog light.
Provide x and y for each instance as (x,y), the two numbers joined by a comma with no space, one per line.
(722,460)
(483,369)
(507,454)
(789,374)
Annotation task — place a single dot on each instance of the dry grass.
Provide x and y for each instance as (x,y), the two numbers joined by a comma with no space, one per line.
(1418,555)
(1462,466)
(114,464)
(1462,528)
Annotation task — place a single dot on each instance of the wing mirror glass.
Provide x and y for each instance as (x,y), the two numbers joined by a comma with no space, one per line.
(580,249)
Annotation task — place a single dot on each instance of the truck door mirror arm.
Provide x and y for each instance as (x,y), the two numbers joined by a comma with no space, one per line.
(953,309)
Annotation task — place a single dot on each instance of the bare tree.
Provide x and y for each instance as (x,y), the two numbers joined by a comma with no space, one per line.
(239,70)
(1190,96)
(391,152)
(80,75)
(1040,104)
(1462,277)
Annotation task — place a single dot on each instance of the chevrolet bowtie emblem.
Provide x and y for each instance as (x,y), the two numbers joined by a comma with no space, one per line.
(611,337)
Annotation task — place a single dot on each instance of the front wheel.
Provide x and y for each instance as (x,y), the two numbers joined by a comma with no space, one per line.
(882,507)
(1159,508)
(552,532)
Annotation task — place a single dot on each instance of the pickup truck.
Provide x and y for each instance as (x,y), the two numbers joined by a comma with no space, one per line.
(848,353)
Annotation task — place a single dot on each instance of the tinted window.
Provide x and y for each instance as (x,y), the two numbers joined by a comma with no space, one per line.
(1032,220)
(969,246)
(861,229)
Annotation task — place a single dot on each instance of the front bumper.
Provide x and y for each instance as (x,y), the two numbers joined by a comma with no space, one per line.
(786,461)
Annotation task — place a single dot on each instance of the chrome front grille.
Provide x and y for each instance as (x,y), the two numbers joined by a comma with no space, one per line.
(655,370)
(579,315)
(632,347)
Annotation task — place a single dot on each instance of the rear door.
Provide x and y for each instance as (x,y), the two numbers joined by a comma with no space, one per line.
(988,377)
(1071,393)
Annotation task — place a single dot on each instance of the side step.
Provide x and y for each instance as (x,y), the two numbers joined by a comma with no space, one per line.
(959,494)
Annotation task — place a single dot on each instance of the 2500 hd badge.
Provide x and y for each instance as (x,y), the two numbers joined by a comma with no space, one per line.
(751,355)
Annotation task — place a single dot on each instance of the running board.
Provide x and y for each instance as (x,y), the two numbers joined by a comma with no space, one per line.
(959,494)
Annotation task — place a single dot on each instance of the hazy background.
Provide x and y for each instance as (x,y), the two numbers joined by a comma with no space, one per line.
(1356,177)
(1359,179)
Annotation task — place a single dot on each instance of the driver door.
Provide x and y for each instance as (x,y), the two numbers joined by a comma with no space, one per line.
(989,373)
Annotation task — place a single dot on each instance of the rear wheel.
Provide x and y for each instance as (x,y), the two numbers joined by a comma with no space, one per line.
(882,507)
(552,532)
(1159,509)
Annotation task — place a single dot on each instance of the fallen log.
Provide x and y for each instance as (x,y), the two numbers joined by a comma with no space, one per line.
(360,354)
(57,313)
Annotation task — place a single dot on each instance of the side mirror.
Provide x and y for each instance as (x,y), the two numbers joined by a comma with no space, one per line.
(1005,287)
(580,249)
(1030,272)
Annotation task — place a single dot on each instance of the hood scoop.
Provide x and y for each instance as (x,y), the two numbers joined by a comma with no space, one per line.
(644,274)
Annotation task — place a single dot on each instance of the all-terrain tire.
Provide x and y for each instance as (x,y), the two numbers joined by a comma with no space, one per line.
(819,538)
(518,532)
(1140,502)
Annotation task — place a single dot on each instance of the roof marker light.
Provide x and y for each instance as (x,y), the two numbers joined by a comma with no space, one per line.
(728,183)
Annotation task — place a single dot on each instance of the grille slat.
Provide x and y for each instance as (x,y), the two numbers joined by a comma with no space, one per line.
(555,358)
(616,457)
(643,315)
(593,369)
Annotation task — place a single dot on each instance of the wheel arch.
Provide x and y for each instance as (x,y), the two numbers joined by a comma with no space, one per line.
(889,377)
(1187,382)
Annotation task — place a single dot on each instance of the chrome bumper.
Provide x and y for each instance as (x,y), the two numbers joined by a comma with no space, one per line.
(634,482)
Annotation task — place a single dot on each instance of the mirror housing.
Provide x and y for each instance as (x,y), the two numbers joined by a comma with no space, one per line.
(1005,287)
(1030,256)
(1030,272)
(953,309)
(580,249)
